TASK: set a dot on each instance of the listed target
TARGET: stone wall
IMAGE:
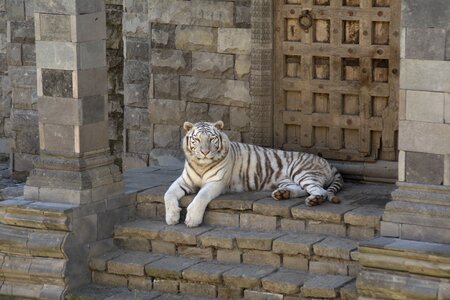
(425, 92)
(184, 60)
(18, 95)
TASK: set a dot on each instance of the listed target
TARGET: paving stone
(98, 263)
(208, 272)
(195, 252)
(335, 247)
(169, 267)
(327, 212)
(296, 243)
(180, 234)
(258, 222)
(218, 238)
(198, 289)
(236, 201)
(141, 228)
(272, 207)
(259, 295)
(246, 276)
(131, 263)
(366, 216)
(324, 286)
(256, 240)
(257, 257)
(284, 281)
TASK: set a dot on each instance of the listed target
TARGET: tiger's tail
(335, 186)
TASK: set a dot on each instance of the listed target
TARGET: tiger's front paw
(281, 194)
(193, 217)
(172, 215)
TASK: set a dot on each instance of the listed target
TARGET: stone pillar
(74, 164)
(421, 206)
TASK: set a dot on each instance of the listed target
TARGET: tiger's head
(205, 142)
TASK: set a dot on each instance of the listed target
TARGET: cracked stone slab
(169, 267)
(246, 276)
(324, 286)
(294, 244)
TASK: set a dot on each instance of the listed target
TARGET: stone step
(357, 217)
(193, 276)
(26, 290)
(305, 251)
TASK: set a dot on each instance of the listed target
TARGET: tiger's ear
(188, 126)
(219, 125)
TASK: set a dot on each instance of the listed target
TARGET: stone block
(360, 233)
(229, 256)
(140, 283)
(390, 229)
(243, 276)
(425, 233)
(166, 286)
(433, 14)
(169, 268)
(139, 141)
(242, 66)
(131, 263)
(366, 216)
(198, 289)
(51, 27)
(136, 49)
(169, 61)
(146, 229)
(181, 234)
(57, 83)
(90, 82)
(425, 43)
(133, 244)
(107, 279)
(220, 112)
(256, 240)
(258, 222)
(28, 55)
(229, 293)
(327, 212)
(166, 86)
(21, 31)
(234, 40)
(136, 95)
(57, 138)
(207, 272)
(14, 54)
(425, 75)
(425, 106)
(335, 247)
(269, 206)
(163, 35)
(330, 267)
(15, 9)
(196, 38)
(98, 263)
(218, 238)
(424, 137)
(293, 244)
(88, 27)
(167, 136)
(265, 258)
(133, 161)
(135, 118)
(293, 225)
(212, 65)
(324, 286)
(135, 25)
(22, 76)
(259, 295)
(326, 228)
(196, 112)
(284, 281)
(215, 91)
(68, 7)
(195, 252)
(202, 13)
(88, 141)
(163, 247)
(221, 219)
(424, 168)
(447, 107)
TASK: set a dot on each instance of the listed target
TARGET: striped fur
(214, 166)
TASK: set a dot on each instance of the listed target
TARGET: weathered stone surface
(246, 276)
(327, 212)
(324, 286)
(433, 14)
(107, 279)
(424, 168)
(221, 219)
(270, 206)
(163, 35)
(293, 244)
(169, 268)
(229, 293)
(164, 111)
(146, 229)
(360, 233)
(424, 137)
(215, 91)
(181, 234)
(264, 258)
(297, 262)
(236, 201)
(349, 292)
(209, 272)
(57, 83)
(218, 238)
(195, 252)
(167, 136)
(293, 225)
(54, 27)
(68, 7)
(328, 266)
(335, 247)
(234, 40)
(198, 289)
(425, 106)
(196, 38)
(256, 240)
(366, 216)
(169, 60)
(229, 256)
(284, 281)
(166, 86)
(93, 292)
(21, 31)
(135, 72)
(135, 25)
(202, 13)
(163, 247)
(258, 222)
(425, 43)
(425, 75)
(258, 295)
(136, 48)
(212, 65)
(131, 263)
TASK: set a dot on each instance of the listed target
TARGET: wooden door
(336, 77)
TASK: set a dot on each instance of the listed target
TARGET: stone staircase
(249, 247)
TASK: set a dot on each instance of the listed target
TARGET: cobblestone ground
(9, 188)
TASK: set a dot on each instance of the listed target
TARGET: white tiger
(214, 166)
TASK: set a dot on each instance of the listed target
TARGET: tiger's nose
(205, 151)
